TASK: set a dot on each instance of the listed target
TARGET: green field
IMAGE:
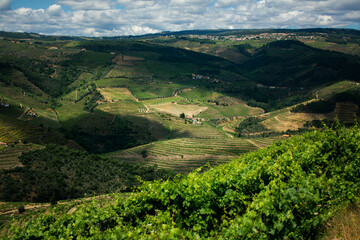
(92, 59)
(115, 82)
(69, 110)
(162, 100)
(154, 90)
(198, 94)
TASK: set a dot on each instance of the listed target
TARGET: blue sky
(35, 4)
(133, 17)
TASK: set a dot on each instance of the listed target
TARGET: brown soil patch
(291, 121)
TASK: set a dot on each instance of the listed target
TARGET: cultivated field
(186, 154)
(177, 109)
(123, 107)
(115, 82)
(116, 94)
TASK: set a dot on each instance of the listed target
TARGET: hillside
(125, 98)
(287, 190)
(276, 65)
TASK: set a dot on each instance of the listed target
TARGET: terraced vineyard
(13, 130)
(9, 155)
(179, 129)
(345, 112)
(186, 154)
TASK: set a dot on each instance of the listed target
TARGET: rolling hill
(172, 101)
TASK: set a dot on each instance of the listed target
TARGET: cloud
(88, 4)
(5, 4)
(191, 2)
(55, 10)
(228, 3)
(324, 20)
(131, 4)
(101, 18)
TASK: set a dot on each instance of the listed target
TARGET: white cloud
(229, 3)
(191, 2)
(5, 4)
(137, 3)
(88, 4)
(99, 17)
(324, 20)
(55, 10)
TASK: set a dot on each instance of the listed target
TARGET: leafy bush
(283, 192)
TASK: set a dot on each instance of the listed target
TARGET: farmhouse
(3, 144)
(195, 121)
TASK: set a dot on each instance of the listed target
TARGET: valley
(84, 117)
(129, 97)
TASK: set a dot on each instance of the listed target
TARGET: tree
(182, 115)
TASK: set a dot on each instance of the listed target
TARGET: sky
(136, 17)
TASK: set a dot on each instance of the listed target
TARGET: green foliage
(283, 192)
(57, 173)
(93, 102)
(21, 209)
(320, 124)
(250, 125)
